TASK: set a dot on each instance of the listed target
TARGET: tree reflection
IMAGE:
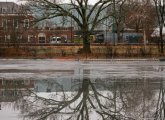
(138, 98)
(160, 108)
(102, 99)
(88, 99)
(80, 105)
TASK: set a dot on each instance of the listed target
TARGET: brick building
(16, 26)
(14, 23)
(44, 35)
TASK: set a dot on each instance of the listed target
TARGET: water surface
(81, 90)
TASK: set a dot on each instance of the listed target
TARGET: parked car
(55, 40)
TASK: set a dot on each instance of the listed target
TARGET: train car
(99, 38)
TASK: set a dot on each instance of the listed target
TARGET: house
(156, 32)
(16, 26)
(45, 34)
(15, 23)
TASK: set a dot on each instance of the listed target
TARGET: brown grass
(71, 52)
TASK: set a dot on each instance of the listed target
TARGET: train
(107, 37)
(104, 37)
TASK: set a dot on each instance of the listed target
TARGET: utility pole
(71, 30)
(113, 25)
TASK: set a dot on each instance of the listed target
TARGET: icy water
(82, 90)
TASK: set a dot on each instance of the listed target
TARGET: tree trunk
(86, 46)
(118, 36)
(86, 42)
(161, 41)
(145, 38)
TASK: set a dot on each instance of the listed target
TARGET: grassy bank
(98, 51)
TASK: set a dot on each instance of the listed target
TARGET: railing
(39, 44)
(73, 44)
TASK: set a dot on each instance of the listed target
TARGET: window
(41, 39)
(4, 23)
(15, 23)
(4, 10)
(26, 23)
(8, 37)
(8, 10)
(2, 81)
(3, 93)
(19, 36)
(26, 82)
(0, 10)
(1, 39)
(30, 38)
(1, 23)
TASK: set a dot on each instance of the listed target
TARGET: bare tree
(160, 10)
(141, 18)
(86, 16)
(118, 11)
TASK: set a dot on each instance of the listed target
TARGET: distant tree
(141, 17)
(160, 10)
(86, 16)
(118, 11)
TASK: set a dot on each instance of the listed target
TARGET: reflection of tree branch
(160, 109)
(87, 112)
(95, 94)
(102, 107)
(43, 113)
(62, 105)
(86, 99)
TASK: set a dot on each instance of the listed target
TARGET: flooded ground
(82, 90)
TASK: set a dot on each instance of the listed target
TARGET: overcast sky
(9, 1)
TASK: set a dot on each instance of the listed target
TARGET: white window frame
(29, 38)
(8, 37)
(2, 81)
(4, 10)
(1, 24)
(4, 21)
(15, 23)
(26, 23)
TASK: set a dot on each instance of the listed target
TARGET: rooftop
(8, 7)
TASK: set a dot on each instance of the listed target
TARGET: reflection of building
(54, 85)
(69, 80)
(11, 90)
